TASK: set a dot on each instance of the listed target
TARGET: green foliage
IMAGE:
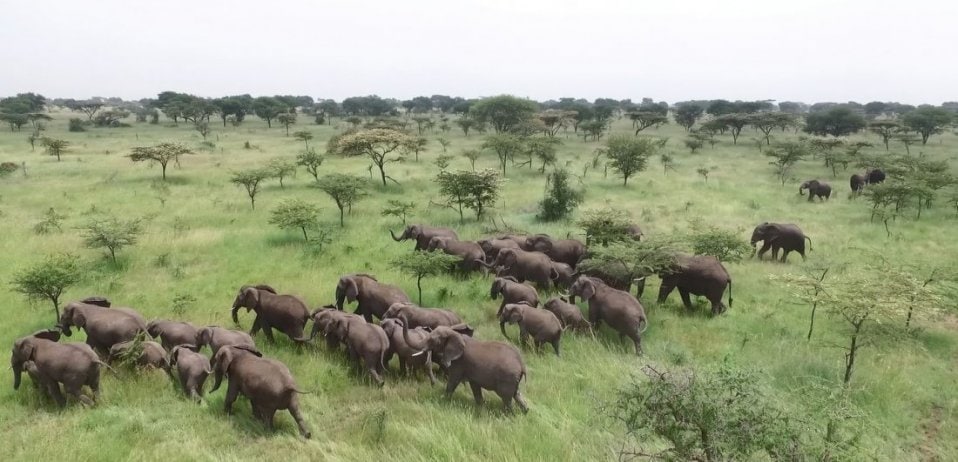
(724, 244)
(592, 129)
(465, 124)
(444, 143)
(705, 172)
(473, 155)
(250, 181)
(161, 154)
(111, 118)
(112, 234)
(693, 144)
(286, 120)
(377, 144)
(268, 108)
(311, 161)
(543, 149)
(733, 123)
(344, 189)
(687, 114)
(398, 209)
(629, 156)
(503, 112)
(886, 129)
(765, 122)
(56, 147)
(561, 198)
(77, 125)
(51, 221)
(295, 214)
(704, 414)
(645, 119)
(604, 226)
(423, 264)
(303, 136)
(784, 157)
(442, 161)
(280, 168)
(7, 168)
(48, 279)
(505, 145)
(838, 121)
(202, 127)
(469, 189)
(927, 121)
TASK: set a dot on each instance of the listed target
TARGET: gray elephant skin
(787, 237)
(267, 383)
(815, 189)
(422, 317)
(323, 319)
(512, 291)
(470, 253)
(569, 315)
(617, 308)
(526, 266)
(404, 352)
(151, 355)
(422, 234)
(568, 251)
(285, 313)
(541, 325)
(373, 297)
(191, 369)
(218, 337)
(172, 333)
(50, 364)
(366, 341)
(701, 275)
(104, 327)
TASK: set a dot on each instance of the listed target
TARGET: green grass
(206, 242)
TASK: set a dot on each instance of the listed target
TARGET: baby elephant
(151, 354)
(815, 188)
(266, 382)
(398, 346)
(217, 337)
(569, 315)
(192, 369)
(365, 341)
(542, 325)
(172, 333)
(513, 291)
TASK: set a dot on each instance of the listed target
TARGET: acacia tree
(784, 156)
(311, 161)
(473, 156)
(505, 146)
(268, 108)
(734, 123)
(503, 112)
(295, 214)
(112, 234)
(687, 114)
(465, 124)
(287, 119)
(423, 264)
(398, 209)
(886, 129)
(377, 144)
(56, 147)
(303, 136)
(345, 190)
(556, 119)
(837, 121)
(48, 279)
(88, 107)
(161, 154)
(926, 121)
(250, 181)
(628, 156)
(543, 149)
(281, 168)
(469, 189)
(765, 122)
(645, 119)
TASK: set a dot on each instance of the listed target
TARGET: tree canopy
(377, 144)
(838, 121)
(162, 154)
(503, 112)
(628, 155)
(926, 121)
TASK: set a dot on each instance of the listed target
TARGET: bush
(727, 246)
(49, 279)
(561, 198)
(112, 234)
(7, 168)
(605, 225)
(77, 125)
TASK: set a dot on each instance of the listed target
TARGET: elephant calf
(172, 333)
(218, 337)
(422, 317)
(775, 236)
(541, 325)
(512, 291)
(815, 189)
(267, 383)
(192, 369)
(366, 341)
(398, 346)
(569, 315)
(49, 364)
(151, 354)
(323, 319)
(623, 312)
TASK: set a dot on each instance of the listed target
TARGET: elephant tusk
(419, 353)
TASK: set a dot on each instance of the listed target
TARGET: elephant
(857, 182)
(365, 341)
(97, 300)
(422, 234)
(192, 369)
(565, 275)
(542, 325)
(785, 236)
(397, 346)
(520, 239)
(286, 313)
(104, 327)
(570, 316)
(323, 318)
(512, 291)
(634, 232)
(815, 188)
(526, 266)
(492, 246)
(50, 363)
(374, 297)
(151, 354)
(470, 252)
(874, 176)
(623, 312)
(267, 383)
(702, 275)
(172, 333)
(616, 275)
(217, 337)
(422, 317)
(568, 251)
(495, 366)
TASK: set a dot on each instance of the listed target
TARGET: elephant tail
(643, 325)
(302, 392)
(809, 243)
(729, 292)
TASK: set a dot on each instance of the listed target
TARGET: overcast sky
(804, 50)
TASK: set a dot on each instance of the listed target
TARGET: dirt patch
(929, 430)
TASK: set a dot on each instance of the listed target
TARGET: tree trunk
(852, 351)
(418, 286)
(305, 237)
(113, 255)
(341, 212)
(163, 167)
(811, 323)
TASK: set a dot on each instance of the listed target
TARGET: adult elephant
(397, 346)
(521, 240)
(701, 275)
(526, 266)
(785, 236)
(618, 308)
(267, 383)
(218, 338)
(104, 327)
(172, 333)
(495, 366)
(492, 246)
(150, 354)
(49, 363)
(815, 188)
(857, 182)
(422, 234)
(366, 342)
(568, 251)
(285, 313)
(874, 176)
(374, 297)
(418, 316)
(565, 275)
(470, 252)
(323, 320)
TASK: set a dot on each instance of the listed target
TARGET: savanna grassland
(203, 241)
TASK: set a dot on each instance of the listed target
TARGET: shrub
(7, 168)
(727, 246)
(51, 221)
(561, 198)
(296, 214)
(77, 125)
(112, 234)
(48, 279)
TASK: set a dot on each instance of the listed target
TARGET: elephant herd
(857, 183)
(418, 337)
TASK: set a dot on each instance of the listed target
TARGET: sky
(791, 50)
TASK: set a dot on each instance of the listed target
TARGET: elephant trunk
(233, 314)
(801, 190)
(217, 379)
(315, 330)
(487, 265)
(502, 328)
(421, 346)
(397, 239)
(17, 372)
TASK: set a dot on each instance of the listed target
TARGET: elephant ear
(453, 349)
(79, 319)
(415, 231)
(251, 293)
(204, 336)
(464, 329)
(48, 334)
(352, 290)
(222, 360)
(26, 349)
(588, 290)
(249, 349)
(510, 278)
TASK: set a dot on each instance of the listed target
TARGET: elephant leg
(454, 378)
(501, 307)
(785, 252)
(294, 411)
(372, 365)
(765, 246)
(686, 299)
(667, 286)
(555, 346)
(402, 366)
(94, 383)
(521, 402)
(639, 288)
(232, 392)
(257, 325)
(476, 392)
(717, 306)
(268, 416)
(268, 332)
(76, 390)
(54, 389)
